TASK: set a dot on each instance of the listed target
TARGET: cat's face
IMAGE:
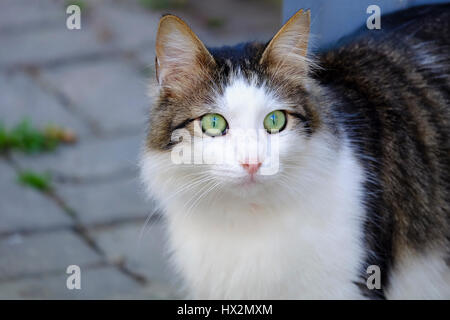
(239, 122)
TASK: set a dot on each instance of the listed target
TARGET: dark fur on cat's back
(393, 88)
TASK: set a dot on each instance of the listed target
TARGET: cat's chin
(249, 186)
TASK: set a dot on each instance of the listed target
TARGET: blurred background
(73, 110)
(331, 19)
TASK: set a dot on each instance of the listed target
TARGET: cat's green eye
(275, 121)
(214, 124)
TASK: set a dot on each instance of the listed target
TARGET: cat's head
(235, 124)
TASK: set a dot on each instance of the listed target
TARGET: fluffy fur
(362, 174)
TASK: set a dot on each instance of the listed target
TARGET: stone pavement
(93, 81)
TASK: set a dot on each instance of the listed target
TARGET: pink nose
(251, 168)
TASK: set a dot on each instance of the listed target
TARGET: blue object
(334, 19)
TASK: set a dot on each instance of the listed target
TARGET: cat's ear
(181, 58)
(286, 52)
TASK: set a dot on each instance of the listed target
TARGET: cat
(360, 176)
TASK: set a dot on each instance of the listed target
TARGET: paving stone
(106, 202)
(142, 250)
(158, 291)
(43, 252)
(105, 28)
(25, 209)
(17, 15)
(32, 47)
(89, 159)
(21, 98)
(125, 19)
(96, 283)
(112, 93)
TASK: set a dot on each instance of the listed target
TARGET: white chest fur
(309, 249)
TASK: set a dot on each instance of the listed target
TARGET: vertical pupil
(214, 121)
(273, 118)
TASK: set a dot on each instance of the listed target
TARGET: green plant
(26, 138)
(38, 181)
(162, 4)
(215, 22)
(82, 4)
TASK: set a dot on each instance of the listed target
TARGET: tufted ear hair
(181, 58)
(286, 52)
